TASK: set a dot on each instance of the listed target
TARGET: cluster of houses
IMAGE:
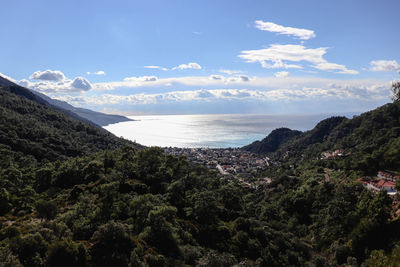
(260, 183)
(333, 154)
(384, 180)
(229, 161)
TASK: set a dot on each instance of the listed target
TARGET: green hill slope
(273, 141)
(31, 129)
(371, 140)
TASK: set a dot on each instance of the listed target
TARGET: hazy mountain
(99, 118)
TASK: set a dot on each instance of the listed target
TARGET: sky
(199, 57)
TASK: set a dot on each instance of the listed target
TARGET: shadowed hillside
(31, 129)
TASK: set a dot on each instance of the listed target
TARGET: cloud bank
(346, 90)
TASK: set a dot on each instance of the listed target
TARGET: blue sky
(186, 57)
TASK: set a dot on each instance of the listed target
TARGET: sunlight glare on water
(227, 130)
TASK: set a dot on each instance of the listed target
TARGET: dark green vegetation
(32, 132)
(273, 141)
(371, 142)
(74, 195)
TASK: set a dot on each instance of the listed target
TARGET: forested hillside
(370, 141)
(273, 141)
(31, 131)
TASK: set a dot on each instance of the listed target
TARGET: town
(229, 161)
(232, 163)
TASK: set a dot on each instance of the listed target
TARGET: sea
(209, 130)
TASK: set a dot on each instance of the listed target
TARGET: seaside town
(232, 163)
(229, 161)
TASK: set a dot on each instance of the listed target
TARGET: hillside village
(384, 180)
(230, 161)
(338, 153)
(241, 165)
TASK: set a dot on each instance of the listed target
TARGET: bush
(66, 253)
(112, 245)
(46, 209)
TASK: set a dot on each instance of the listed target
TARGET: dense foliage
(144, 208)
(73, 195)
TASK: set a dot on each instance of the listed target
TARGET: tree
(396, 91)
(378, 258)
(66, 253)
(8, 259)
(112, 245)
(46, 209)
(4, 201)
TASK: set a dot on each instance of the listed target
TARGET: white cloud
(302, 34)
(276, 56)
(153, 81)
(25, 83)
(81, 84)
(48, 75)
(335, 67)
(217, 77)
(281, 74)
(156, 67)
(191, 65)
(141, 79)
(277, 53)
(100, 72)
(239, 78)
(244, 78)
(230, 72)
(384, 65)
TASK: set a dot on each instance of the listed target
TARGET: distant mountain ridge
(273, 141)
(82, 114)
(99, 118)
